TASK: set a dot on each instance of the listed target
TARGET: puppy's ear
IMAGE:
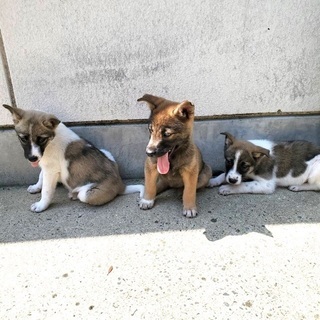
(184, 110)
(17, 113)
(259, 152)
(229, 139)
(153, 101)
(51, 122)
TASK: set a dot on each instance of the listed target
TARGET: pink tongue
(34, 164)
(163, 164)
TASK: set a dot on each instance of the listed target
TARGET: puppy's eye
(24, 139)
(167, 134)
(245, 165)
(42, 140)
(229, 162)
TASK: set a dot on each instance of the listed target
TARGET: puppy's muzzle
(155, 152)
(233, 180)
(33, 158)
(152, 152)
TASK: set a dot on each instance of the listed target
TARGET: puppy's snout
(33, 158)
(233, 180)
(151, 151)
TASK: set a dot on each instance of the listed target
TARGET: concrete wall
(127, 142)
(91, 60)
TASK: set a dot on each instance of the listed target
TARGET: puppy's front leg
(189, 193)
(49, 185)
(35, 188)
(263, 187)
(150, 191)
(217, 181)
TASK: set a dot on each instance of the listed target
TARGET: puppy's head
(35, 130)
(170, 127)
(242, 158)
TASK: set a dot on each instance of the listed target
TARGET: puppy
(173, 160)
(90, 174)
(293, 164)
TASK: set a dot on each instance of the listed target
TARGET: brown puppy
(173, 160)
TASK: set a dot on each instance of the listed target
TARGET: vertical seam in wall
(7, 72)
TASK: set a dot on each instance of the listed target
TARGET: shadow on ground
(219, 216)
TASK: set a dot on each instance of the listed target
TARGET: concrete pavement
(243, 257)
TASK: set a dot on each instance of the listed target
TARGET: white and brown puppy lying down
(90, 174)
(293, 164)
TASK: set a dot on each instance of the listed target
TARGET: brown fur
(187, 168)
(88, 164)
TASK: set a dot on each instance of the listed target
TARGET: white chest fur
(53, 159)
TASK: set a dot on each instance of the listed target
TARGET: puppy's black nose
(33, 158)
(151, 153)
(233, 180)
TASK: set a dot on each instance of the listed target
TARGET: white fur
(233, 174)
(82, 191)
(108, 154)
(217, 181)
(309, 180)
(35, 188)
(146, 204)
(54, 167)
(134, 188)
(262, 186)
(35, 150)
(190, 213)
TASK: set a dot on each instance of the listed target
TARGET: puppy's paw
(146, 204)
(216, 181)
(294, 188)
(39, 206)
(34, 188)
(225, 190)
(190, 213)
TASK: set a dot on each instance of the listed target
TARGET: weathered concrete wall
(128, 142)
(91, 60)
(5, 116)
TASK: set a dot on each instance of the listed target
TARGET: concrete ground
(243, 257)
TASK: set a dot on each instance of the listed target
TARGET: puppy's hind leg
(313, 182)
(97, 194)
(305, 187)
(204, 176)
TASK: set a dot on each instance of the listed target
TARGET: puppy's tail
(133, 188)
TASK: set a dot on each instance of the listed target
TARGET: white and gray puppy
(259, 166)
(90, 174)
